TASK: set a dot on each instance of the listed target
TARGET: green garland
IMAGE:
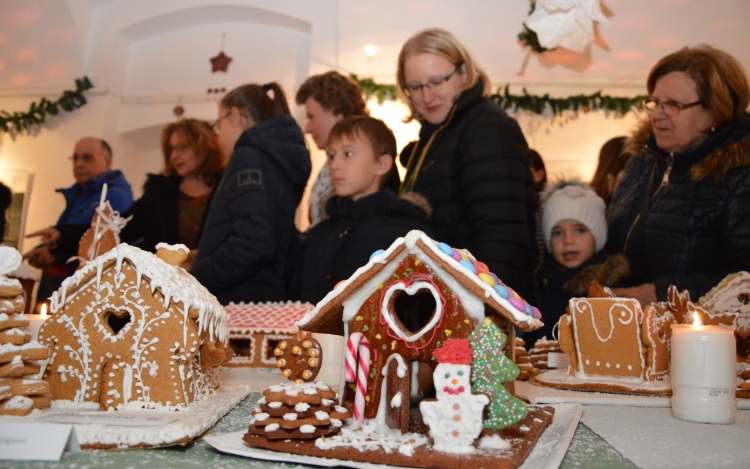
(581, 102)
(37, 113)
(525, 101)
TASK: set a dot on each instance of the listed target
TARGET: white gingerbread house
(130, 330)
(405, 302)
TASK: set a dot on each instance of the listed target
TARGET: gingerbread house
(401, 306)
(614, 345)
(254, 330)
(131, 329)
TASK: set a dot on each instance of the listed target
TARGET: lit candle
(36, 321)
(704, 373)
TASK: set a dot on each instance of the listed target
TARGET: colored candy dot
(528, 309)
(502, 291)
(486, 278)
(463, 256)
(376, 253)
(495, 278)
(518, 303)
(468, 265)
(445, 248)
(457, 255)
(455, 433)
(456, 418)
(482, 267)
(536, 313)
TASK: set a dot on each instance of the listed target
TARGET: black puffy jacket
(476, 175)
(249, 229)
(696, 228)
(342, 243)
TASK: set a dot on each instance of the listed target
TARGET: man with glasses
(92, 161)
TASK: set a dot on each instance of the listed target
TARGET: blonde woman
(471, 161)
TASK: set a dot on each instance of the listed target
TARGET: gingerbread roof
(174, 283)
(468, 278)
(271, 317)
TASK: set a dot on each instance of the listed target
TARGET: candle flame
(43, 310)
(696, 319)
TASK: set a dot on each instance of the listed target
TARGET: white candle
(332, 366)
(35, 323)
(704, 373)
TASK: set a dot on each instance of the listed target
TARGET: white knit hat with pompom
(573, 200)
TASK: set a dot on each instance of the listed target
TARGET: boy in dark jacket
(365, 215)
(575, 231)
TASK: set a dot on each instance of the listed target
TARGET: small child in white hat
(574, 227)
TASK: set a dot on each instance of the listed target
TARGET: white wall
(146, 57)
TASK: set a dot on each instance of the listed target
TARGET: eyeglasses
(433, 85)
(670, 108)
(86, 158)
(215, 125)
(179, 149)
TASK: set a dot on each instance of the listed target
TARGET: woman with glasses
(174, 203)
(250, 234)
(681, 214)
(471, 161)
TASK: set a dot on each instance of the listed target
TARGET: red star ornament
(220, 63)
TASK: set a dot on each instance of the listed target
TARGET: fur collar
(608, 273)
(729, 154)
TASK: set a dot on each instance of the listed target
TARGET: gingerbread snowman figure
(456, 417)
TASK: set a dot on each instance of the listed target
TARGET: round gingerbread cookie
(300, 359)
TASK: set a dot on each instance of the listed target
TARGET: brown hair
(719, 78)
(612, 160)
(203, 141)
(335, 93)
(253, 100)
(442, 43)
(381, 139)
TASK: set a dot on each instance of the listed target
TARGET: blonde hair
(441, 43)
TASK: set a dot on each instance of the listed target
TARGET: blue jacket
(249, 229)
(81, 203)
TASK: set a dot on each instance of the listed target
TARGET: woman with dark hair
(471, 161)
(249, 232)
(174, 203)
(327, 98)
(681, 214)
(610, 168)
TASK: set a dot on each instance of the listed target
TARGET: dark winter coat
(476, 175)
(80, 205)
(156, 214)
(556, 285)
(250, 228)
(338, 246)
(696, 228)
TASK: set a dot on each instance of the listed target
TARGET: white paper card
(107, 418)
(36, 441)
(558, 360)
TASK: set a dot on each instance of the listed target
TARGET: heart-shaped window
(411, 310)
(117, 320)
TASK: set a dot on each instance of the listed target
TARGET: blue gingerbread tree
(490, 368)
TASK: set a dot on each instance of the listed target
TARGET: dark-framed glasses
(215, 125)
(670, 108)
(85, 158)
(434, 85)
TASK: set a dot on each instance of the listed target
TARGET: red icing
(454, 351)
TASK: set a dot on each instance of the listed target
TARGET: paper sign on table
(37, 441)
(107, 418)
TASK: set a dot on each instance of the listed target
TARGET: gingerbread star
(220, 63)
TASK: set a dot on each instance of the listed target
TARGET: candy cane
(357, 346)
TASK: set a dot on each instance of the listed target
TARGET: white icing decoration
(494, 441)
(272, 427)
(454, 431)
(307, 428)
(261, 417)
(410, 290)
(396, 401)
(320, 415)
(290, 416)
(275, 405)
(10, 259)
(301, 406)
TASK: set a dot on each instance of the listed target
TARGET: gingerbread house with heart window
(400, 307)
(131, 329)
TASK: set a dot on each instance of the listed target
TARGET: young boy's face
(355, 170)
(572, 243)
